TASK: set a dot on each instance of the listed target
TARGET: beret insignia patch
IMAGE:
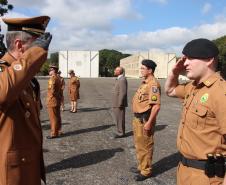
(154, 98)
(204, 98)
(154, 89)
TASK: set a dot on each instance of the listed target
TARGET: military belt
(193, 163)
(198, 164)
(144, 116)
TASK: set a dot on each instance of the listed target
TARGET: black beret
(149, 64)
(200, 49)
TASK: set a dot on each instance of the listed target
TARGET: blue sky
(127, 25)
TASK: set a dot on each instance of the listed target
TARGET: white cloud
(93, 14)
(169, 40)
(206, 8)
(87, 25)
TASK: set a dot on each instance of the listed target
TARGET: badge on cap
(154, 98)
(204, 98)
(154, 89)
(17, 67)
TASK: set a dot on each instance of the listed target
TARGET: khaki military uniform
(145, 97)
(21, 156)
(53, 104)
(202, 126)
(73, 88)
(62, 84)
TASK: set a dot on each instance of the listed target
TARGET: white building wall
(84, 63)
(164, 62)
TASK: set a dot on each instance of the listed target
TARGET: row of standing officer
(55, 98)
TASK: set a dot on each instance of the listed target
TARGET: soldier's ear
(18, 45)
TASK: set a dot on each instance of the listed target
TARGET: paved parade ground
(88, 155)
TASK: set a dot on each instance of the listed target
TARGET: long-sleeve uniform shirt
(21, 158)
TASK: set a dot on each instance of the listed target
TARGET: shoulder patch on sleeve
(154, 89)
(154, 98)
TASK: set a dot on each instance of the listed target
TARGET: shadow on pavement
(83, 160)
(75, 132)
(166, 164)
(47, 127)
(92, 109)
(160, 127)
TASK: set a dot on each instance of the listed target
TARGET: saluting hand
(43, 41)
(179, 66)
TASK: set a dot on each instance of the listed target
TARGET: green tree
(109, 60)
(52, 60)
(5, 7)
(221, 44)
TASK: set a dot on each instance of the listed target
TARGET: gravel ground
(87, 155)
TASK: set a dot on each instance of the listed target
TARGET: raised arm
(172, 80)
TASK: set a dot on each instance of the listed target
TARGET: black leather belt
(143, 115)
(198, 164)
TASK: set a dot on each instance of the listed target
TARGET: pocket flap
(200, 111)
(15, 158)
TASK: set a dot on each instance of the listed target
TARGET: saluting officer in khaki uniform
(202, 132)
(53, 102)
(146, 105)
(62, 90)
(73, 89)
(21, 155)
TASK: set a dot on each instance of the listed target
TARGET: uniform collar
(209, 81)
(119, 76)
(8, 58)
(150, 78)
(212, 79)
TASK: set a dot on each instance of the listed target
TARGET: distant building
(164, 62)
(84, 63)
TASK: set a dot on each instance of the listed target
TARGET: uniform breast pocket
(198, 117)
(143, 97)
(18, 167)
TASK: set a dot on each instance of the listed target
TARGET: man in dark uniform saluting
(21, 156)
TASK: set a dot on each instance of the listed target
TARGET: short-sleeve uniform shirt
(203, 121)
(147, 95)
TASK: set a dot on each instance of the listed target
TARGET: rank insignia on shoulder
(154, 98)
(204, 98)
(154, 89)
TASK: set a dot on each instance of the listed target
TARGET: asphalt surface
(88, 155)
